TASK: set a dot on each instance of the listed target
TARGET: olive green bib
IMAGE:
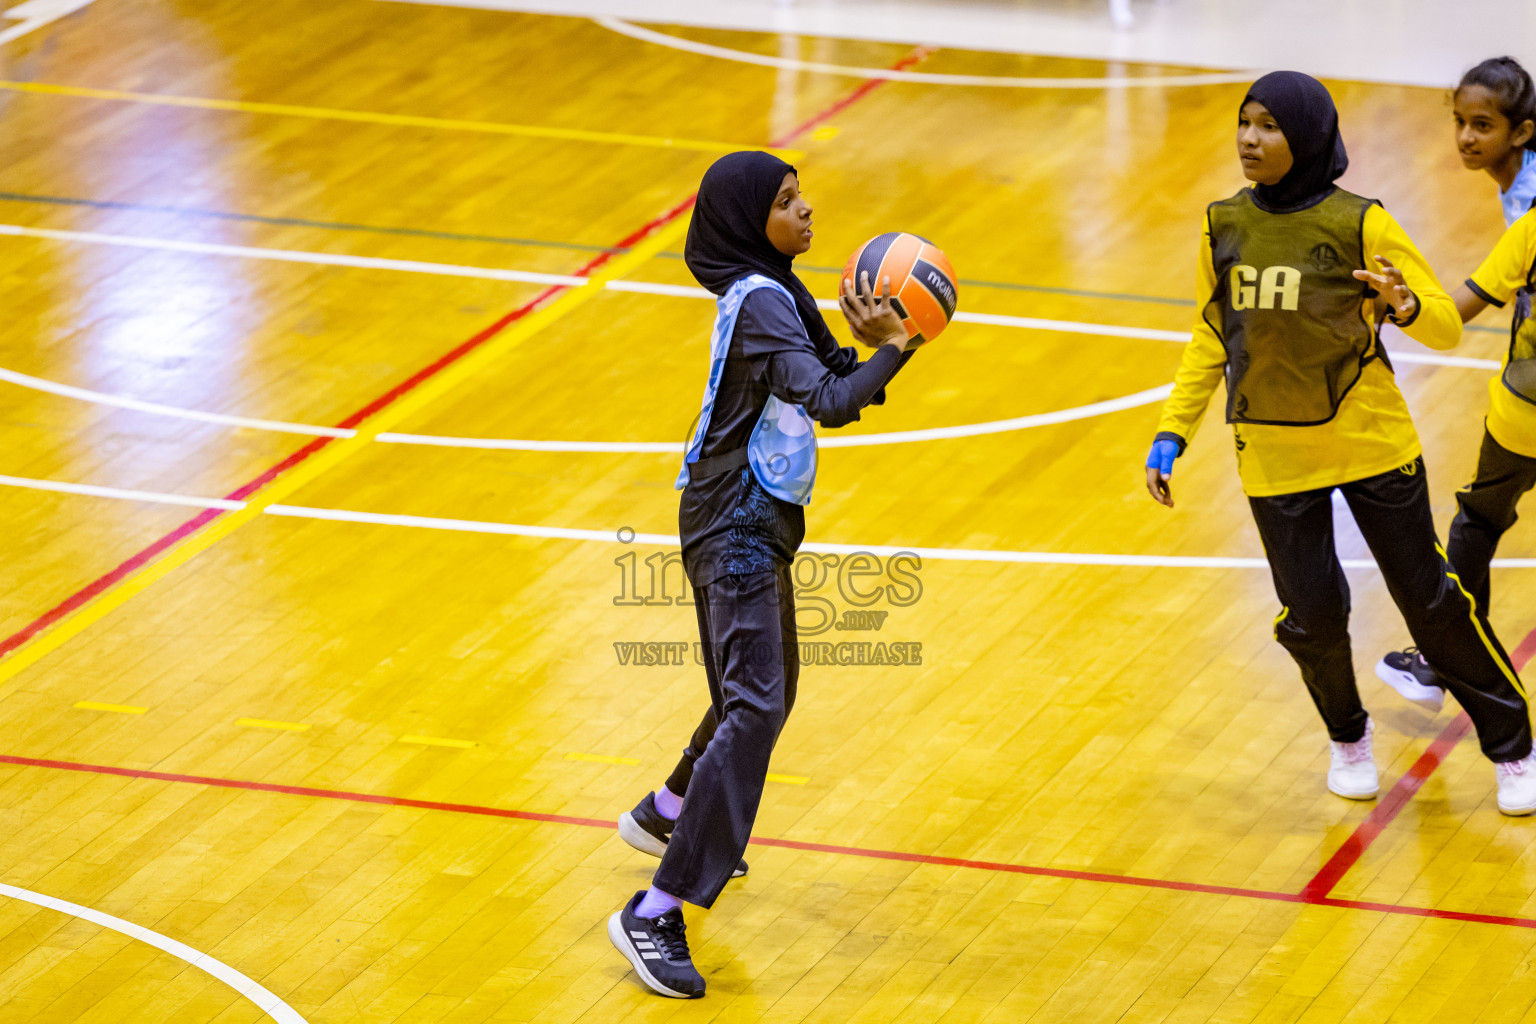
(1288, 308)
(1520, 367)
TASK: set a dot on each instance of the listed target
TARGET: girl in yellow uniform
(1495, 108)
(1290, 319)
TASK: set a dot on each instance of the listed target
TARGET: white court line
(671, 541)
(677, 291)
(1425, 43)
(296, 256)
(882, 550)
(157, 497)
(518, 445)
(626, 447)
(636, 287)
(1436, 359)
(925, 77)
(1039, 419)
(1030, 323)
(269, 1004)
(34, 14)
(157, 409)
(337, 515)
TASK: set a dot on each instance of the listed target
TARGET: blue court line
(455, 236)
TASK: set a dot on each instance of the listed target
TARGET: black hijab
(1306, 114)
(728, 235)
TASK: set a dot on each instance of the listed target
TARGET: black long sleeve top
(729, 524)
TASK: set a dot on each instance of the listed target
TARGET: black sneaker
(647, 830)
(1409, 674)
(657, 948)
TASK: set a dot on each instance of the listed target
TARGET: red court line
(1348, 855)
(1522, 654)
(141, 558)
(1382, 814)
(1314, 893)
(917, 56)
(325, 794)
(787, 844)
(136, 561)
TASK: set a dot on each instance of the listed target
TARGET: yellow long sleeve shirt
(1511, 419)
(1371, 433)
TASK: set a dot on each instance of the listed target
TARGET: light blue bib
(1521, 191)
(782, 451)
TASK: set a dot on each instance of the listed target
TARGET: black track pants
(1449, 627)
(1486, 510)
(751, 659)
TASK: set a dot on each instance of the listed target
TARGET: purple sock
(655, 903)
(668, 803)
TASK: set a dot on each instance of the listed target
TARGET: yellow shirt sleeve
(1204, 362)
(1437, 324)
(1504, 271)
(1511, 419)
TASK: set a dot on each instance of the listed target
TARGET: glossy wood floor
(1106, 783)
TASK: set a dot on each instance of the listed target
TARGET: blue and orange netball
(923, 289)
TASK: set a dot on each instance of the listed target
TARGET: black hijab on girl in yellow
(1305, 112)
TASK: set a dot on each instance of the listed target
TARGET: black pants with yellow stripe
(1485, 511)
(1450, 628)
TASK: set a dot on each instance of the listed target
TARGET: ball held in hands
(923, 292)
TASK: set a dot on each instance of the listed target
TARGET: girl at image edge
(1495, 110)
(1290, 318)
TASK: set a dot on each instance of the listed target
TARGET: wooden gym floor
(344, 740)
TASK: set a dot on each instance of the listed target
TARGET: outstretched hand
(871, 317)
(1160, 471)
(1394, 290)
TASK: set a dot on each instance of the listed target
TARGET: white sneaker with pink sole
(1352, 768)
(1517, 785)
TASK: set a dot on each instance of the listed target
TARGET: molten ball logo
(940, 284)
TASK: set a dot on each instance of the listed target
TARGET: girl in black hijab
(1305, 113)
(1291, 310)
(748, 472)
(727, 237)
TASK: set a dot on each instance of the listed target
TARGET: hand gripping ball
(923, 290)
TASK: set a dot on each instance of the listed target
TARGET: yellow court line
(373, 117)
(601, 758)
(340, 450)
(122, 709)
(267, 723)
(793, 780)
(438, 741)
